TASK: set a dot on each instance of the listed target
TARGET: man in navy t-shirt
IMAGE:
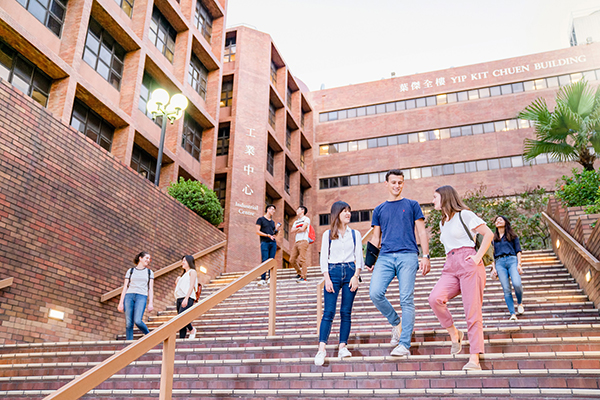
(394, 224)
(265, 228)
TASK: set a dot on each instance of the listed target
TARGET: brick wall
(72, 218)
(579, 225)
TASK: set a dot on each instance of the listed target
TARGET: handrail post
(167, 368)
(272, 299)
(320, 287)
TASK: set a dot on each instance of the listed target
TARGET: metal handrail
(166, 334)
(583, 252)
(321, 284)
(6, 282)
(115, 292)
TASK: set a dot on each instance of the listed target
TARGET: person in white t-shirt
(185, 292)
(298, 256)
(463, 273)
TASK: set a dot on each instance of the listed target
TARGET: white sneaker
(320, 358)
(513, 318)
(400, 351)
(520, 309)
(344, 352)
(396, 331)
(262, 282)
(192, 334)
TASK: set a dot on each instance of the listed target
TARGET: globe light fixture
(169, 108)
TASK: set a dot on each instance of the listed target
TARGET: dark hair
(191, 262)
(269, 206)
(336, 209)
(143, 254)
(509, 233)
(397, 172)
(451, 202)
(304, 209)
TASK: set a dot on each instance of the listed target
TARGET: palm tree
(567, 133)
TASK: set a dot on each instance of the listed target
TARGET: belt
(505, 255)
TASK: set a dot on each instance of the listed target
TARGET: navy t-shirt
(266, 226)
(397, 222)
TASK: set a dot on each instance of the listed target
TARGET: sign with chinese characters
(482, 75)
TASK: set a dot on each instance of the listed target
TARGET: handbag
(488, 257)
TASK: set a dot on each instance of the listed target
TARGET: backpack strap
(130, 275)
(148, 278)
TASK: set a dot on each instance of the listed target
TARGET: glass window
(471, 166)
(529, 85)
(511, 124)
(191, 139)
(426, 172)
(223, 140)
(51, 13)
(406, 173)
(343, 114)
(362, 144)
(477, 129)
(500, 126)
(494, 164)
(463, 96)
(482, 165)
(382, 176)
(431, 101)
(373, 178)
(322, 116)
(444, 133)
(392, 140)
(540, 84)
(227, 94)
(505, 162)
(541, 159)
(353, 180)
(564, 80)
(485, 92)
(380, 108)
(415, 173)
(459, 168)
(361, 111)
(203, 21)
(523, 123)
(343, 147)
(324, 184)
(434, 135)
(488, 127)
(410, 104)
(518, 87)
(506, 89)
(104, 54)
(390, 107)
(143, 163)
(473, 94)
(551, 82)
(230, 49)
(382, 142)
(333, 116)
(466, 130)
(455, 132)
(402, 139)
(441, 99)
(198, 76)
(423, 136)
(413, 137)
(148, 86)
(437, 170)
(352, 113)
(589, 76)
(448, 169)
(371, 110)
(400, 105)
(162, 34)
(352, 146)
(495, 91)
(92, 125)
(323, 219)
(363, 179)
(451, 97)
(421, 102)
(344, 181)
(372, 143)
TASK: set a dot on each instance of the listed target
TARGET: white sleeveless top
(183, 285)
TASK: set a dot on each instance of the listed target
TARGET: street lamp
(159, 105)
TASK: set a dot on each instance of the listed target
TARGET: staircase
(552, 352)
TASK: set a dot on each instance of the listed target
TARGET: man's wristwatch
(427, 256)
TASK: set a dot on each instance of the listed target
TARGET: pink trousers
(461, 276)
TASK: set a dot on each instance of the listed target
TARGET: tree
(199, 198)
(567, 133)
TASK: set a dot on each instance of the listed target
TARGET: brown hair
(336, 209)
(509, 233)
(451, 202)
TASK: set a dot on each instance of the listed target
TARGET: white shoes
(193, 334)
(344, 352)
(513, 318)
(396, 331)
(400, 351)
(320, 358)
(520, 309)
(262, 282)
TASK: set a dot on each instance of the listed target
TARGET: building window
(92, 125)
(289, 98)
(360, 216)
(230, 48)
(162, 34)
(126, 5)
(220, 189)
(198, 76)
(323, 219)
(227, 94)
(302, 164)
(273, 73)
(23, 75)
(143, 163)
(272, 115)
(302, 118)
(287, 181)
(148, 86)
(192, 137)
(104, 54)
(270, 159)
(286, 226)
(302, 193)
(223, 140)
(268, 200)
(203, 21)
(288, 138)
(51, 13)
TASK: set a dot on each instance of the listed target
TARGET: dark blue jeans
(267, 250)
(135, 305)
(340, 275)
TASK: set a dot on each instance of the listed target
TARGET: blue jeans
(403, 266)
(135, 305)
(340, 275)
(267, 250)
(506, 267)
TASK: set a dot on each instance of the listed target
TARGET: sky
(331, 43)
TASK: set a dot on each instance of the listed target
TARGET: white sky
(341, 42)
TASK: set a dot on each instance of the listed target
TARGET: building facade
(451, 127)
(94, 64)
(266, 142)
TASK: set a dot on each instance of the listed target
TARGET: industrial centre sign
(479, 76)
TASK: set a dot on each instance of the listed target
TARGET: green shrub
(198, 198)
(581, 189)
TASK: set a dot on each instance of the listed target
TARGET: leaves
(198, 198)
(581, 189)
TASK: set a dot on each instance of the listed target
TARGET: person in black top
(507, 264)
(265, 228)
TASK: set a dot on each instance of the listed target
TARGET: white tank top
(183, 285)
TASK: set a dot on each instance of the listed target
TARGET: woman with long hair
(341, 261)
(138, 289)
(507, 264)
(185, 292)
(463, 273)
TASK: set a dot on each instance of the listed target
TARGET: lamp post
(172, 110)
